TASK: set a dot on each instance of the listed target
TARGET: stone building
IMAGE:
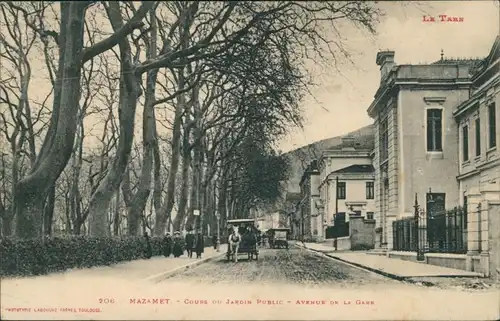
(306, 213)
(416, 136)
(346, 182)
(478, 122)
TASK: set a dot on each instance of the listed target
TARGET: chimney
(348, 143)
(385, 59)
(314, 164)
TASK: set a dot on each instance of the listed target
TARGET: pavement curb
(163, 275)
(386, 274)
(408, 279)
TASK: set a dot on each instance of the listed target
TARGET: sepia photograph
(250, 160)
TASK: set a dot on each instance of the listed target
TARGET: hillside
(300, 158)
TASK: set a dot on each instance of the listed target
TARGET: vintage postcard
(250, 160)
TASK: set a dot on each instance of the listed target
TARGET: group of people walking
(176, 245)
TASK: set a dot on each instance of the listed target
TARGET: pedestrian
(200, 245)
(215, 239)
(190, 243)
(149, 250)
(177, 248)
(167, 245)
(234, 243)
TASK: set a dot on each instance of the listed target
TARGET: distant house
(269, 220)
(346, 182)
(300, 158)
(307, 221)
(291, 200)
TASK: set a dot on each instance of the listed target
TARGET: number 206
(107, 300)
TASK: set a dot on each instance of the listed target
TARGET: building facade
(416, 136)
(307, 213)
(346, 183)
(479, 160)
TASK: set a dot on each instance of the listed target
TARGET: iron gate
(434, 230)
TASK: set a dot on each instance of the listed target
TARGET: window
(358, 213)
(370, 191)
(465, 143)
(369, 215)
(341, 191)
(384, 140)
(478, 136)
(434, 130)
(492, 125)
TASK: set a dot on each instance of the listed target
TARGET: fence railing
(338, 230)
(438, 232)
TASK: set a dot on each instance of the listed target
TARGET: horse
(249, 241)
(234, 241)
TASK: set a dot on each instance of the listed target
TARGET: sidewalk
(136, 269)
(395, 268)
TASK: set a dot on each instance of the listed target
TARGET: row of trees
(213, 86)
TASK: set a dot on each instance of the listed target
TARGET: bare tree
(139, 199)
(56, 150)
(219, 45)
(21, 121)
(129, 94)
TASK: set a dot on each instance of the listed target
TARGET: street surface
(282, 284)
(294, 266)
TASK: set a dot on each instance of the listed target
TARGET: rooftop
(458, 61)
(293, 196)
(362, 142)
(356, 169)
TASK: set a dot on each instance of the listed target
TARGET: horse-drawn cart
(248, 234)
(278, 237)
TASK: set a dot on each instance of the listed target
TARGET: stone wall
(361, 233)
(344, 243)
(494, 240)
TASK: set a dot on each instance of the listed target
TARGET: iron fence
(438, 232)
(338, 230)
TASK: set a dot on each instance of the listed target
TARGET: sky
(338, 104)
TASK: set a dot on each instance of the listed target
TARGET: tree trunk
(157, 180)
(222, 201)
(190, 219)
(129, 93)
(196, 194)
(74, 194)
(67, 210)
(166, 210)
(32, 191)
(116, 218)
(181, 212)
(141, 196)
(7, 225)
(77, 228)
(79, 216)
(48, 211)
(207, 206)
